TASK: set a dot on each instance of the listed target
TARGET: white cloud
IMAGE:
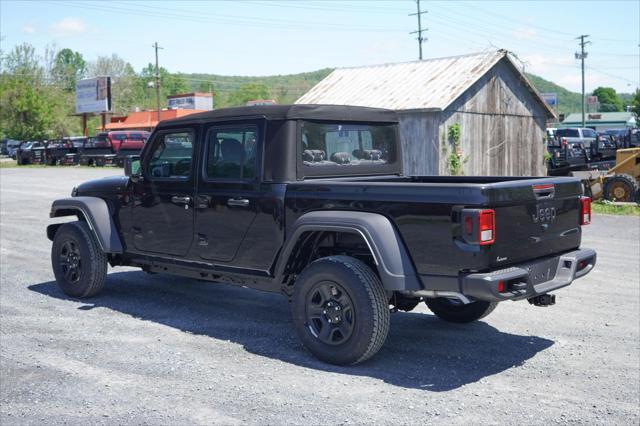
(28, 29)
(541, 64)
(68, 26)
(525, 33)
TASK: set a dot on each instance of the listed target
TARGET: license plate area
(543, 271)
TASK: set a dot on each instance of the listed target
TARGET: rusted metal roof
(431, 84)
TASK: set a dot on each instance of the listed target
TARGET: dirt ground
(156, 349)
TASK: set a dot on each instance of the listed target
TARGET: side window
(171, 156)
(231, 152)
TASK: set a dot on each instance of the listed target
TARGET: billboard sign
(592, 100)
(185, 102)
(93, 95)
(550, 99)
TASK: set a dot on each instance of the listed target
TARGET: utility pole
(156, 47)
(419, 31)
(582, 56)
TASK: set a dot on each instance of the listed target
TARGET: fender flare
(389, 252)
(96, 213)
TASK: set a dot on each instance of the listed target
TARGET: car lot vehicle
(310, 201)
(573, 136)
(620, 183)
(565, 158)
(31, 152)
(64, 150)
(110, 148)
(12, 147)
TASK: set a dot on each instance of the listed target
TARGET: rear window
(568, 133)
(347, 148)
(119, 136)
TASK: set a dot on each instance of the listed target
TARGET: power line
(229, 19)
(419, 31)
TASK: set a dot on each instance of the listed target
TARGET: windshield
(349, 146)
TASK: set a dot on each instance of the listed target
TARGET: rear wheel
(621, 187)
(79, 265)
(340, 310)
(455, 311)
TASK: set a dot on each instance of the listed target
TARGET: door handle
(237, 202)
(176, 199)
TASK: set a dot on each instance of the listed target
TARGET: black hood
(111, 184)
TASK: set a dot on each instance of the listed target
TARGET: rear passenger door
(226, 201)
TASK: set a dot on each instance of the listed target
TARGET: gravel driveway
(156, 349)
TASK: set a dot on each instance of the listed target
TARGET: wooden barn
(500, 116)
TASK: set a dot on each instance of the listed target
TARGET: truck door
(227, 196)
(163, 198)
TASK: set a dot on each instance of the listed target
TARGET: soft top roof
(290, 112)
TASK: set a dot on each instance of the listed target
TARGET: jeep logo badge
(544, 215)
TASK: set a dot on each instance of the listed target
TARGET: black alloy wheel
(70, 261)
(340, 310)
(79, 264)
(329, 313)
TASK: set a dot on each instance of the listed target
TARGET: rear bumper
(529, 279)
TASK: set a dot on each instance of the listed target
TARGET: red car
(121, 140)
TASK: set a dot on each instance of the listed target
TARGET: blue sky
(283, 37)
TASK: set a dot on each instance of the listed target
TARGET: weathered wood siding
(420, 142)
(502, 126)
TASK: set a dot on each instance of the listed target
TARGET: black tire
(455, 311)
(349, 292)
(79, 265)
(621, 187)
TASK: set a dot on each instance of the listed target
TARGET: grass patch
(606, 207)
(14, 165)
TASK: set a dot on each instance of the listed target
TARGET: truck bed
(422, 206)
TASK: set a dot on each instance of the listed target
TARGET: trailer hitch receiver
(543, 300)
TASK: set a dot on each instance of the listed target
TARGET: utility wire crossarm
(420, 30)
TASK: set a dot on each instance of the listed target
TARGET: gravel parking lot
(155, 349)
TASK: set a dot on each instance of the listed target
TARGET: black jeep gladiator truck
(310, 201)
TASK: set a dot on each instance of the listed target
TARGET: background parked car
(31, 152)
(110, 148)
(12, 147)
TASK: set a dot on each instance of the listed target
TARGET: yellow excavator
(619, 183)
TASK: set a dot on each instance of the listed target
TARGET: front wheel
(79, 265)
(455, 311)
(340, 310)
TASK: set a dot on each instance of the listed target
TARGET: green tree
(608, 98)
(25, 108)
(68, 67)
(248, 92)
(126, 93)
(205, 87)
(170, 84)
(635, 103)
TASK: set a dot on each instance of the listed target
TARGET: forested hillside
(37, 90)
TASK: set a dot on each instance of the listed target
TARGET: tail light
(563, 141)
(479, 226)
(585, 210)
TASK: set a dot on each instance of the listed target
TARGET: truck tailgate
(534, 220)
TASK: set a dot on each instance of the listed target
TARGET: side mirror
(132, 166)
